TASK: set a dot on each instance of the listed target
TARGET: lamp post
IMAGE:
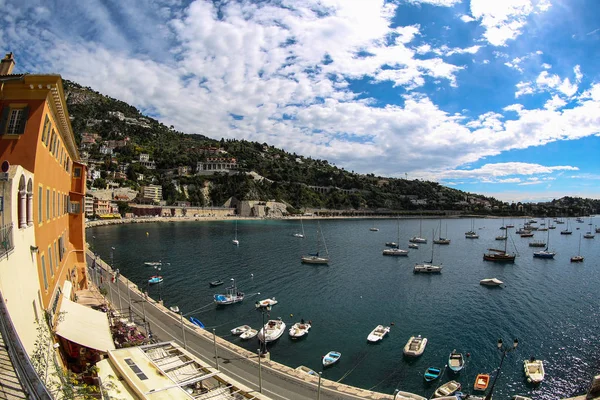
(264, 341)
(259, 371)
(504, 351)
(216, 354)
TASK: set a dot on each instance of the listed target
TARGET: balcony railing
(6, 239)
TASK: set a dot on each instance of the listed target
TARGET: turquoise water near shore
(551, 306)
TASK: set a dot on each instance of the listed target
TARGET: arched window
(29, 202)
(22, 204)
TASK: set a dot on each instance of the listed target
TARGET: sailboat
(500, 255)
(440, 239)
(232, 296)
(545, 253)
(297, 234)
(235, 241)
(418, 239)
(316, 258)
(566, 231)
(589, 234)
(578, 257)
(428, 267)
(472, 234)
(396, 250)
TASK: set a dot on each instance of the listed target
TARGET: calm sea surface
(551, 306)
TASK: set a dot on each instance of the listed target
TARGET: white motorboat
(395, 252)
(235, 241)
(153, 263)
(306, 370)
(299, 329)
(232, 296)
(415, 346)
(374, 229)
(491, 282)
(331, 358)
(266, 302)
(240, 329)
(272, 330)
(413, 246)
(249, 334)
(427, 269)
(534, 370)
(378, 333)
(447, 389)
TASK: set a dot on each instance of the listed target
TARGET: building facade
(44, 191)
(152, 192)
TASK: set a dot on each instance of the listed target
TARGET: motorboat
(306, 370)
(240, 329)
(248, 334)
(417, 239)
(447, 389)
(155, 279)
(481, 382)
(413, 246)
(491, 282)
(391, 244)
(432, 374)
(197, 322)
(153, 263)
(415, 346)
(456, 361)
(235, 240)
(272, 330)
(232, 296)
(378, 333)
(427, 269)
(266, 303)
(218, 282)
(537, 243)
(299, 329)
(331, 358)
(374, 229)
(395, 252)
(534, 370)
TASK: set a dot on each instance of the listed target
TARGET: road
(237, 363)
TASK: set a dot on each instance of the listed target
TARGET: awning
(84, 326)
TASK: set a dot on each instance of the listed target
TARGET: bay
(551, 306)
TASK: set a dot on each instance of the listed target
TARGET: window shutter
(23, 120)
(4, 119)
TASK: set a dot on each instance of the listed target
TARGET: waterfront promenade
(273, 379)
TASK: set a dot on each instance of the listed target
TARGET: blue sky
(494, 97)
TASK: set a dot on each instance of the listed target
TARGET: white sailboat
(235, 241)
(428, 267)
(472, 234)
(418, 239)
(316, 258)
(396, 250)
(440, 239)
(297, 234)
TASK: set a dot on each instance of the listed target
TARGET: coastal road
(234, 361)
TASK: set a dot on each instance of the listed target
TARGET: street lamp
(504, 351)
(264, 341)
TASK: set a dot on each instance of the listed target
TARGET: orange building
(36, 136)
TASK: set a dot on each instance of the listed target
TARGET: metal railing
(6, 239)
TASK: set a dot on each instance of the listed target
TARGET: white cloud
(554, 103)
(578, 74)
(439, 3)
(467, 18)
(503, 20)
(546, 66)
(524, 88)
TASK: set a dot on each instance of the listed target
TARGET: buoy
(392, 324)
(291, 315)
(147, 234)
(252, 275)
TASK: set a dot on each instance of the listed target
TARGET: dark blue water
(551, 306)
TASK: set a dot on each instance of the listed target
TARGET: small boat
(235, 241)
(249, 334)
(196, 322)
(374, 229)
(331, 358)
(537, 243)
(491, 282)
(315, 258)
(447, 389)
(500, 237)
(299, 329)
(589, 235)
(432, 374)
(391, 244)
(216, 283)
(415, 346)
(545, 253)
(266, 302)
(272, 330)
(413, 246)
(420, 238)
(510, 225)
(232, 296)
(456, 361)
(440, 239)
(566, 232)
(481, 382)
(298, 234)
(395, 252)
(427, 269)
(378, 333)
(471, 235)
(155, 279)
(240, 329)
(534, 370)
(578, 257)
(306, 370)
(527, 234)
(153, 263)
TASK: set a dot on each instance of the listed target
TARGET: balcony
(6, 237)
